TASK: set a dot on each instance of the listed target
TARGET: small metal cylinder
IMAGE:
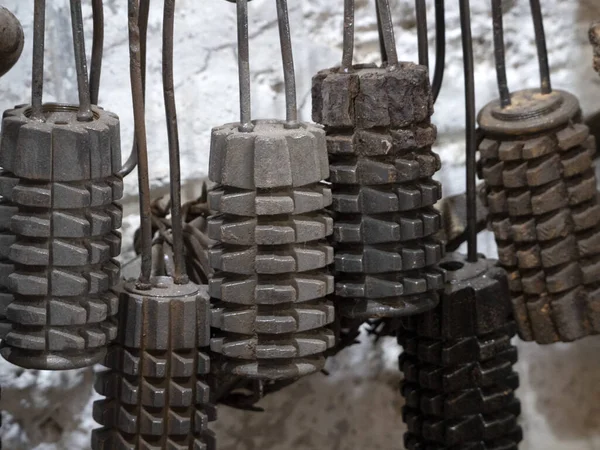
(536, 158)
(156, 393)
(379, 138)
(60, 178)
(459, 379)
(271, 278)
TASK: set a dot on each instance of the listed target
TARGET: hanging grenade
(379, 138)
(271, 280)
(537, 161)
(156, 393)
(60, 177)
(457, 360)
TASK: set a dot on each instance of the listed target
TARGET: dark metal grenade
(270, 312)
(156, 391)
(536, 158)
(459, 380)
(60, 183)
(379, 138)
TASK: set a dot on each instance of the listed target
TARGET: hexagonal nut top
(270, 156)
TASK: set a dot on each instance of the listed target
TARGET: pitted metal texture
(60, 192)
(595, 41)
(156, 391)
(543, 209)
(271, 279)
(458, 364)
(379, 138)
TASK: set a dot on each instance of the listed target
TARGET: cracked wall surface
(358, 405)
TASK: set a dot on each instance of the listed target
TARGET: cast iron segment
(60, 192)
(542, 202)
(157, 395)
(269, 310)
(458, 363)
(11, 40)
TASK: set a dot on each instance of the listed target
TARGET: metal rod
(287, 56)
(470, 125)
(37, 76)
(387, 28)
(131, 162)
(244, 66)
(97, 50)
(540, 42)
(440, 48)
(384, 58)
(137, 93)
(423, 41)
(179, 272)
(85, 105)
(499, 53)
(348, 45)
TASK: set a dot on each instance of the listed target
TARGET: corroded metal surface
(542, 202)
(155, 388)
(270, 279)
(379, 139)
(459, 379)
(60, 179)
(595, 41)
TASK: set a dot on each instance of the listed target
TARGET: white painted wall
(358, 406)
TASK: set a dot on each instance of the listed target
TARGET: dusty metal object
(537, 160)
(269, 310)
(270, 280)
(156, 391)
(11, 40)
(543, 209)
(459, 379)
(60, 186)
(156, 388)
(60, 177)
(379, 138)
(11, 47)
(595, 41)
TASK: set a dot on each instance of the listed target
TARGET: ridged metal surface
(156, 392)
(379, 138)
(543, 210)
(271, 279)
(61, 214)
(457, 360)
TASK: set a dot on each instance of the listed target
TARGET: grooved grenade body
(59, 187)
(379, 138)
(271, 278)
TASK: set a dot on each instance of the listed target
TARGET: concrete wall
(358, 405)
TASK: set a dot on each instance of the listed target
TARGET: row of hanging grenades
(279, 229)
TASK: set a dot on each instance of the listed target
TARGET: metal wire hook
(179, 270)
(137, 92)
(85, 105)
